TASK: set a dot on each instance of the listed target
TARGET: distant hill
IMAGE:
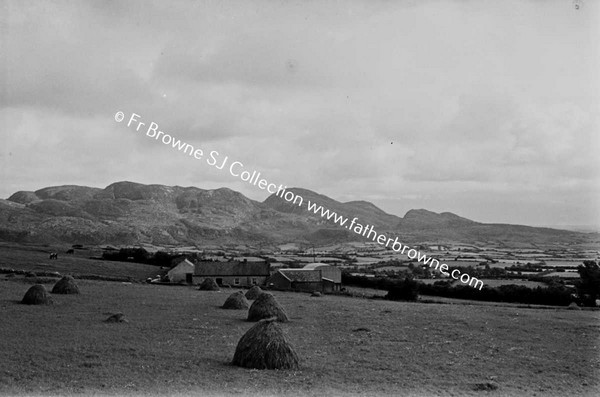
(367, 212)
(133, 213)
(420, 223)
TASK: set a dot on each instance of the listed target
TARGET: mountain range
(126, 213)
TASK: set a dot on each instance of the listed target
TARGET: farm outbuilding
(331, 275)
(234, 273)
(312, 277)
(296, 280)
(182, 271)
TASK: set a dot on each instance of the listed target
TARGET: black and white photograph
(300, 198)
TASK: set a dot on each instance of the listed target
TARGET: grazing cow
(70, 251)
(53, 255)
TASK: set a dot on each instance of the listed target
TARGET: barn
(312, 277)
(182, 271)
(296, 280)
(235, 273)
(331, 276)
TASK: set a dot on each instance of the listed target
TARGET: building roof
(183, 261)
(316, 265)
(182, 264)
(179, 260)
(232, 268)
(301, 275)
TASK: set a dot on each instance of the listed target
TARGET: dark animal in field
(70, 251)
(53, 255)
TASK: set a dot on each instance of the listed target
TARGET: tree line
(585, 293)
(140, 255)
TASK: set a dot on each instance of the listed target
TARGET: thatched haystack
(253, 293)
(236, 301)
(573, 306)
(265, 306)
(209, 284)
(37, 295)
(265, 346)
(316, 294)
(65, 285)
(116, 318)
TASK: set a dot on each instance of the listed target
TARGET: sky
(487, 109)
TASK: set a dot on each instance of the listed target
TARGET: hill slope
(133, 213)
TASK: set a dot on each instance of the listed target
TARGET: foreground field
(178, 341)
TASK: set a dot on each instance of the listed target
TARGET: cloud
(424, 104)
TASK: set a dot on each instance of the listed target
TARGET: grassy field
(178, 342)
(35, 259)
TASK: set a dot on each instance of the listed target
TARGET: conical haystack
(265, 306)
(65, 285)
(265, 346)
(253, 293)
(236, 301)
(116, 318)
(209, 284)
(37, 295)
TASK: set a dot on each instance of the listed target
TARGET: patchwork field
(178, 341)
(494, 282)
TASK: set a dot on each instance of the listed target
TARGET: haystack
(573, 306)
(253, 293)
(65, 285)
(265, 306)
(116, 318)
(316, 294)
(265, 346)
(209, 284)
(37, 295)
(236, 301)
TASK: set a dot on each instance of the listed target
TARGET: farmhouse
(237, 273)
(182, 271)
(312, 277)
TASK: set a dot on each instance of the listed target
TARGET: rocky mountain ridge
(132, 213)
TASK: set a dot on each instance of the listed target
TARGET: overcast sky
(488, 109)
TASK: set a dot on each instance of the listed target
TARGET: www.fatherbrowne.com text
(237, 169)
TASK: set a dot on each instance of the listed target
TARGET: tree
(417, 271)
(588, 287)
(406, 290)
